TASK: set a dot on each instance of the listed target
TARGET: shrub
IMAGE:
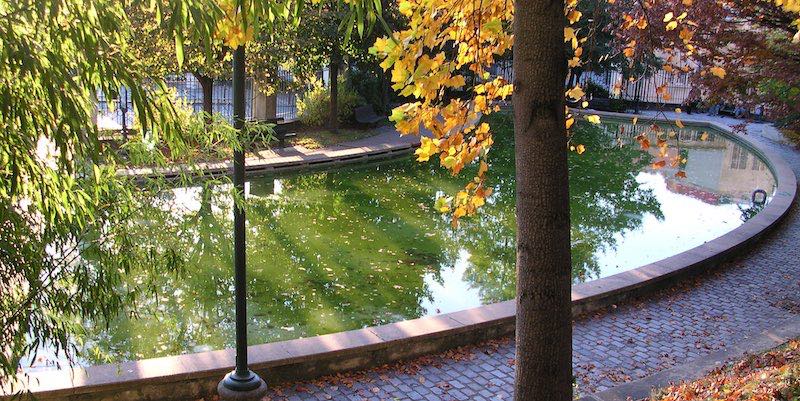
(595, 90)
(314, 106)
(369, 87)
(205, 137)
(617, 105)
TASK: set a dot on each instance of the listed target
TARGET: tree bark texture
(544, 321)
(207, 85)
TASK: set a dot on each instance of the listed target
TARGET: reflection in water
(714, 198)
(343, 249)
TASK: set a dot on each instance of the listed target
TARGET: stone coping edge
(195, 375)
(697, 368)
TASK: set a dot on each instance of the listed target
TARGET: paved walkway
(741, 298)
(386, 139)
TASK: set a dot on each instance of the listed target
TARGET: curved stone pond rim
(192, 376)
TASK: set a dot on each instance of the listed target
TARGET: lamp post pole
(242, 383)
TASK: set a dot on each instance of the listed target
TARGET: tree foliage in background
(313, 109)
(742, 52)
(760, 52)
(155, 47)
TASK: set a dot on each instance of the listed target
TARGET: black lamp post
(242, 383)
(123, 107)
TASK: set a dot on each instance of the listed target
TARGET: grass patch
(322, 138)
(772, 375)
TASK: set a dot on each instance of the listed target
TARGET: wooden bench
(366, 115)
(282, 131)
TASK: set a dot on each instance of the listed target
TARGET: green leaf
(397, 115)
(494, 26)
(179, 48)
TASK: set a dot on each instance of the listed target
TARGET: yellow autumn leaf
(427, 148)
(580, 149)
(576, 93)
(397, 115)
(574, 16)
(668, 17)
(405, 7)
(569, 34)
(628, 52)
(635, 120)
(449, 162)
(704, 136)
(672, 25)
(483, 168)
(594, 119)
(442, 204)
(685, 34)
(718, 72)
(570, 122)
(480, 103)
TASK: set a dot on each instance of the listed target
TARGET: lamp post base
(234, 387)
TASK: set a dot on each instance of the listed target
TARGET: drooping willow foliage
(64, 249)
(67, 249)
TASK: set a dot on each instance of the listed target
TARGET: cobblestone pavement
(750, 294)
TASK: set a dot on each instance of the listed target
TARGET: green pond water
(347, 248)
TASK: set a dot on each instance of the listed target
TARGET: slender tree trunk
(544, 321)
(333, 76)
(207, 85)
(385, 90)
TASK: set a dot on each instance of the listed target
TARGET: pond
(342, 249)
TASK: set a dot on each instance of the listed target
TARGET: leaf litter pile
(773, 375)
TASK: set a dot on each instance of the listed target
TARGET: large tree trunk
(333, 77)
(544, 321)
(207, 85)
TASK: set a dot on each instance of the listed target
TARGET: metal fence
(286, 96)
(118, 112)
(644, 90)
